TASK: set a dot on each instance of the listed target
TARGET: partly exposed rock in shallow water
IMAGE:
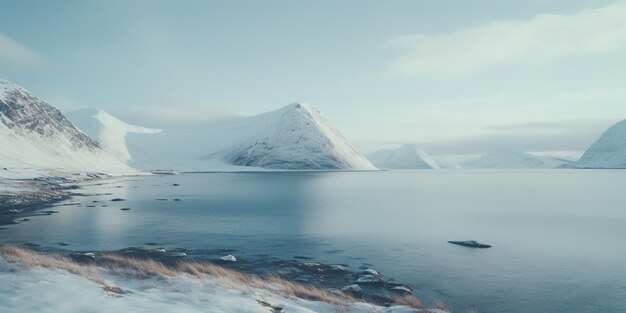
(368, 285)
(229, 258)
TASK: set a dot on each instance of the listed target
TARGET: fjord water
(558, 236)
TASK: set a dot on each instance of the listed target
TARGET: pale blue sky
(454, 76)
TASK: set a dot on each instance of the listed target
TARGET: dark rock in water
(161, 199)
(175, 185)
(118, 199)
(125, 209)
(116, 290)
(104, 205)
(151, 244)
(62, 244)
(334, 251)
(177, 200)
(401, 289)
(470, 243)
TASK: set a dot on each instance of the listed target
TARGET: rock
(401, 289)
(336, 267)
(83, 257)
(369, 279)
(118, 199)
(354, 288)
(177, 254)
(125, 209)
(229, 258)
(116, 290)
(372, 272)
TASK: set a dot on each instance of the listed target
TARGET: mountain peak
(297, 136)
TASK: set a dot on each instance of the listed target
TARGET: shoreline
(21, 198)
(118, 273)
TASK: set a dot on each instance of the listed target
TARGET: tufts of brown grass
(30, 258)
(145, 268)
(305, 292)
(409, 301)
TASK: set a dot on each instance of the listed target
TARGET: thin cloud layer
(14, 54)
(545, 37)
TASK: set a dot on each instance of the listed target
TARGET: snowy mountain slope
(35, 135)
(609, 151)
(407, 156)
(514, 159)
(296, 137)
(109, 131)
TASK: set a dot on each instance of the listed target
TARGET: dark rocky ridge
(23, 113)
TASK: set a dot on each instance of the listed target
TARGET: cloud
(14, 54)
(545, 37)
(170, 116)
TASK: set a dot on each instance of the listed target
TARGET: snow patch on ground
(43, 290)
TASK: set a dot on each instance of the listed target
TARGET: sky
(453, 76)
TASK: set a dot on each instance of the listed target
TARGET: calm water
(559, 236)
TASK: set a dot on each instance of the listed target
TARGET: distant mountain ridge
(514, 160)
(407, 156)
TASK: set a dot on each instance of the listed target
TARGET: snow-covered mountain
(514, 159)
(297, 136)
(407, 156)
(609, 151)
(35, 135)
(109, 131)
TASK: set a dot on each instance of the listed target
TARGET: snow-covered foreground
(52, 288)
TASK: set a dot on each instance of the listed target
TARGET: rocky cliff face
(34, 134)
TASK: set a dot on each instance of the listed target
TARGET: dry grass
(409, 301)
(135, 268)
(30, 258)
(143, 269)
